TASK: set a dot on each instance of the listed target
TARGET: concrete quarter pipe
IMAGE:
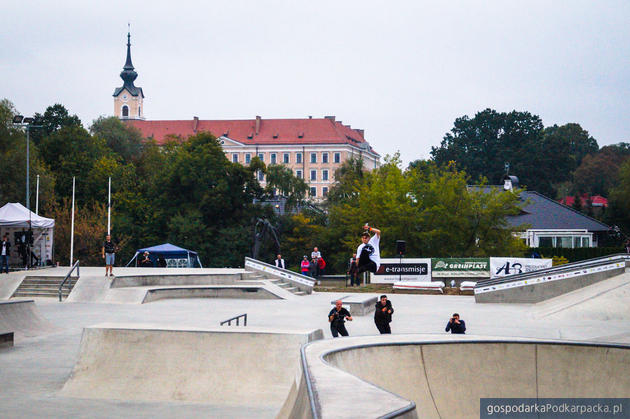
(23, 318)
(246, 367)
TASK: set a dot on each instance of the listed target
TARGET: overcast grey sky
(401, 70)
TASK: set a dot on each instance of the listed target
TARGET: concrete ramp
(604, 300)
(23, 318)
(246, 367)
(437, 376)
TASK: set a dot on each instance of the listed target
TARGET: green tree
(618, 212)
(281, 178)
(13, 163)
(598, 172)
(540, 157)
(54, 118)
(124, 140)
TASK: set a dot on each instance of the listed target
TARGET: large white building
(312, 147)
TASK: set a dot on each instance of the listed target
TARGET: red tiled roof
(596, 200)
(271, 131)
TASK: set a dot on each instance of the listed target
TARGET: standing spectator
(305, 266)
(321, 266)
(353, 271)
(5, 246)
(337, 317)
(146, 261)
(279, 262)
(109, 254)
(627, 246)
(161, 262)
(455, 325)
(315, 253)
(313, 268)
(383, 315)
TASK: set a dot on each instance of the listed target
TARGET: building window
(261, 156)
(248, 158)
(337, 157)
(324, 157)
(313, 191)
(324, 174)
(313, 157)
(261, 176)
(313, 174)
(324, 191)
(139, 111)
(564, 241)
(125, 111)
(234, 158)
(298, 157)
(285, 158)
(298, 174)
(273, 158)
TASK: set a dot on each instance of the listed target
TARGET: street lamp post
(27, 123)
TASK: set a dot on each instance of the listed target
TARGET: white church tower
(128, 98)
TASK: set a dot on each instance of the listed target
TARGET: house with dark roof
(313, 148)
(548, 223)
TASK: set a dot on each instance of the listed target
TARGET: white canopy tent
(15, 220)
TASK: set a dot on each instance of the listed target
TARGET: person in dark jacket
(455, 325)
(146, 261)
(353, 271)
(161, 262)
(337, 317)
(383, 315)
(5, 248)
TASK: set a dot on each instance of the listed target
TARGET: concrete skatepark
(108, 350)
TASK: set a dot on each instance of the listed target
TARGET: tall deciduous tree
(598, 172)
(124, 140)
(540, 157)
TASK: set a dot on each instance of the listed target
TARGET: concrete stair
(287, 286)
(44, 287)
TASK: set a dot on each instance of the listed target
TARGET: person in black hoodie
(455, 325)
(383, 315)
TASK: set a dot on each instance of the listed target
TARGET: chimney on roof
(195, 123)
(310, 117)
(331, 117)
(361, 131)
(258, 120)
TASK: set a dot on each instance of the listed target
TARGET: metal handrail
(76, 265)
(553, 270)
(229, 321)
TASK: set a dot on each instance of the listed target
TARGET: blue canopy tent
(176, 257)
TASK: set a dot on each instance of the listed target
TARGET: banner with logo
(394, 270)
(460, 267)
(510, 266)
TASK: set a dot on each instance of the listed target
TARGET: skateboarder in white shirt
(368, 252)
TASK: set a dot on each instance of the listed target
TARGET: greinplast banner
(510, 266)
(460, 267)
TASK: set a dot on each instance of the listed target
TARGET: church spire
(128, 99)
(128, 74)
(128, 64)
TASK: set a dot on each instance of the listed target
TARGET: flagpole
(72, 225)
(109, 206)
(37, 197)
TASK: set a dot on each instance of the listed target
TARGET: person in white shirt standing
(5, 245)
(280, 262)
(368, 252)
